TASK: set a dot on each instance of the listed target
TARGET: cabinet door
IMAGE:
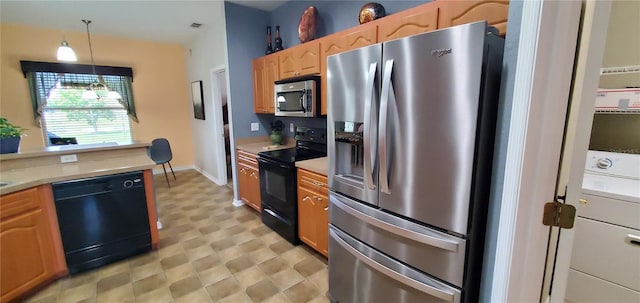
(30, 243)
(307, 225)
(307, 56)
(287, 63)
(258, 85)
(254, 183)
(271, 75)
(322, 223)
(495, 12)
(244, 184)
(417, 20)
(359, 36)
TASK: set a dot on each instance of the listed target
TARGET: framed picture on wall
(198, 99)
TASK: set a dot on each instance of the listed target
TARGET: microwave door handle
(369, 154)
(387, 92)
(304, 93)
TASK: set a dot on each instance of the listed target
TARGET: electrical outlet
(68, 158)
(292, 128)
(255, 127)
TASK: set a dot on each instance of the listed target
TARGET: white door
(547, 141)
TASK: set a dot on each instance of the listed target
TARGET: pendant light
(65, 52)
(98, 84)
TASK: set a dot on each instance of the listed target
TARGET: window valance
(72, 68)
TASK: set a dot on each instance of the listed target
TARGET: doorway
(224, 161)
(622, 49)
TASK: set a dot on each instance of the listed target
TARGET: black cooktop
(310, 143)
(291, 155)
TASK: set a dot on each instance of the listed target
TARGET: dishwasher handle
(95, 186)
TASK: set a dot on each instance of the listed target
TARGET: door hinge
(559, 214)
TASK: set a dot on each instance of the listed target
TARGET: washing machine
(605, 262)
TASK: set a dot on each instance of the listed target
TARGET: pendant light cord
(87, 22)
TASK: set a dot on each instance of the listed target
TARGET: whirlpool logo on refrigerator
(440, 52)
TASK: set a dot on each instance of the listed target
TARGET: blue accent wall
(245, 41)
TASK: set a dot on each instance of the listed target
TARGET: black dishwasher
(102, 219)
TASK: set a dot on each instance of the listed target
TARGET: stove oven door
(279, 197)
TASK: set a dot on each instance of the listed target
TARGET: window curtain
(43, 76)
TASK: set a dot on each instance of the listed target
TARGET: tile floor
(209, 251)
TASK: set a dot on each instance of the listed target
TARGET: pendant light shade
(65, 52)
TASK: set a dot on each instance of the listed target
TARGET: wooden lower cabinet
(248, 179)
(30, 243)
(313, 210)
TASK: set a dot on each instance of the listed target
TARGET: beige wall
(159, 82)
(623, 44)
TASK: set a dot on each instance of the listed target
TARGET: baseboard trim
(157, 171)
(237, 203)
(210, 177)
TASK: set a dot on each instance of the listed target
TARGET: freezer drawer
(607, 251)
(430, 251)
(583, 288)
(358, 273)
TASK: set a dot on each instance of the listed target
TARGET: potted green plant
(276, 132)
(9, 136)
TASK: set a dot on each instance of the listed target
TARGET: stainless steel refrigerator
(411, 130)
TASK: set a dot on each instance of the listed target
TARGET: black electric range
(278, 180)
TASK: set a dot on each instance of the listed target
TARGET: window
(62, 111)
(67, 114)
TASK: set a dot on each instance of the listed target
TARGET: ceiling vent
(195, 25)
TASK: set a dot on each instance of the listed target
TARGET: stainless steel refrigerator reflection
(411, 129)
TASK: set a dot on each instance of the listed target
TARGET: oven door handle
(273, 163)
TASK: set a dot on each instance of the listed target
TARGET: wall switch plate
(292, 128)
(255, 127)
(68, 158)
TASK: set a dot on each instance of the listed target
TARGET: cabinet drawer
(19, 202)
(246, 158)
(586, 288)
(610, 210)
(313, 181)
(616, 249)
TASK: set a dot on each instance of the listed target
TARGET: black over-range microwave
(297, 97)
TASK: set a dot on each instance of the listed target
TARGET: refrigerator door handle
(387, 91)
(428, 289)
(402, 232)
(369, 154)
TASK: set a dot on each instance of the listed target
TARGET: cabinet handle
(326, 208)
(306, 198)
(243, 170)
(317, 198)
(253, 174)
(318, 183)
(633, 239)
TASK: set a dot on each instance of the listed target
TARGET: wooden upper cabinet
(452, 12)
(265, 73)
(271, 75)
(303, 59)
(347, 40)
(30, 243)
(417, 20)
(258, 84)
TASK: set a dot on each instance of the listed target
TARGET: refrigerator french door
(411, 130)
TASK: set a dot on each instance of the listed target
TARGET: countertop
(256, 147)
(94, 160)
(73, 148)
(317, 165)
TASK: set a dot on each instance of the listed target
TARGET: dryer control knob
(604, 163)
